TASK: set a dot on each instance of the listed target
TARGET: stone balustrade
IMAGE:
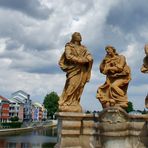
(111, 128)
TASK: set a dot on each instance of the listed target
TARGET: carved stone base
(111, 128)
(71, 108)
(76, 130)
(121, 130)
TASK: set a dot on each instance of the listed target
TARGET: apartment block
(4, 109)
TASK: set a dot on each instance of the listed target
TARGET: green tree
(144, 112)
(88, 112)
(51, 103)
(15, 118)
(130, 107)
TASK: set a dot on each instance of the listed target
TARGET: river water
(40, 138)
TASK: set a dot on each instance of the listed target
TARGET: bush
(15, 118)
(11, 125)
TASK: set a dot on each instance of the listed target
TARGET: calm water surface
(41, 138)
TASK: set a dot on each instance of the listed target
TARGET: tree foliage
(130, 107)
(51, 103)
(144, 112)
(15, 118)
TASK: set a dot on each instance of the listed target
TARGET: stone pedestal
(120, 130)
(111, 128)
(77, 130)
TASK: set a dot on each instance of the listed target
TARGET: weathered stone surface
(66, 124)
(76, 130)
(126, 132)
(111, 128)
(76, 61)
(113, 92)
(122, 142)
(113, 115)
(70, 132)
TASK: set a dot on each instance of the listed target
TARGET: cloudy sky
(33, 34)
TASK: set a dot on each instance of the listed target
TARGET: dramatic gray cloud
(129, 16)
(32, 8)
(33, 34)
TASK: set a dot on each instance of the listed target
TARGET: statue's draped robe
(107, 91)
(76, 74)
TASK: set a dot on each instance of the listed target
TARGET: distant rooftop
(20, 96)
(20, 91)
(3, 98)
(37, 104)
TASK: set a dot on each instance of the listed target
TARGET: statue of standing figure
(144, 67)
(114, 91)
(76, 61)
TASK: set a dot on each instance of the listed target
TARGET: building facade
(39, 112)
(20, 105)
(22, 97)
(44, 113)
(21, 112)
(37, 109)
(4, 109)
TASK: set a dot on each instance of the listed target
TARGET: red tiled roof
(3, 98)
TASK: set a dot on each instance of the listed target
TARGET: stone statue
(144, 67)
(114, 91)
(76, 61)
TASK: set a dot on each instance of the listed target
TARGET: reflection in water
(40, 138)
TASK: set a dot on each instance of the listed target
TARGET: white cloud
(134, 54)
(31, 44)
(36, 85)
(2, 45)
